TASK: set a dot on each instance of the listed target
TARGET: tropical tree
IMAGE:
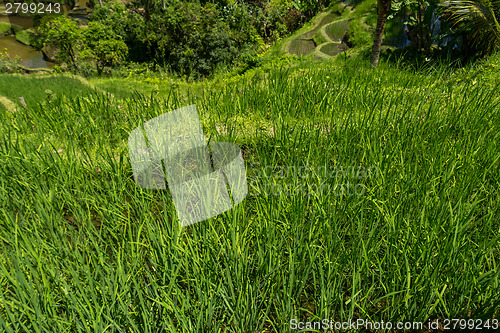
(383, 7)
(478, 20)
(62, 34)
(102, 46)
(147, 8)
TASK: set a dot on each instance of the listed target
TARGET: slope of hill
(373, 193)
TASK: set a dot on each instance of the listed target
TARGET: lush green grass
(302, 47)
(331, 49)
(336, 31)
(24, 36)
(33, 88)
(85, 250)
(5, 28)
(125, 88)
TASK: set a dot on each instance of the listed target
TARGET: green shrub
(102, 47)
(394, 33)
(62, 34)
(192, 39)
(5, 28)
(8, 65)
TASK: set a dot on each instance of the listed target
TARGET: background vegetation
(197, 39)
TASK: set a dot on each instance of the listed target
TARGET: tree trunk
(163, 4)
(383, 7)
(100, 3)
(72, 57)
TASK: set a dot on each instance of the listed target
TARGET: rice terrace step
(323, 39)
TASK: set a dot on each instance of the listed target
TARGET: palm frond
(479, 19)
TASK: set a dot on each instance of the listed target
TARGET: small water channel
(31, 58)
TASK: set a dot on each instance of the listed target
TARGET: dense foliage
(192, 38)
(466, 28)
(478, 23)
(197, 38)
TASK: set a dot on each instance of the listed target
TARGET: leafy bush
(101, 48)
(362, 23)
(294, 19)
(240, 20)
(128, 25)
(62, 34)
(270, 19)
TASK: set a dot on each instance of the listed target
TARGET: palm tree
(478, 20)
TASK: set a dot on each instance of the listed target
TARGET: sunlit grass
(84, 249)
(36, 89)
(5, 29)
(24, 36)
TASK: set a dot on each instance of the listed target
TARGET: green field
(35, 89)
(331, 49)
(302, 47)
(336, 31)
(373, 193)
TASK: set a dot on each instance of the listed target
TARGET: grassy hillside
(35, 89)
(373, 194)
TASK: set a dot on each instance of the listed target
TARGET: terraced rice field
(324, 37)
(336, 31)
(302, 47)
